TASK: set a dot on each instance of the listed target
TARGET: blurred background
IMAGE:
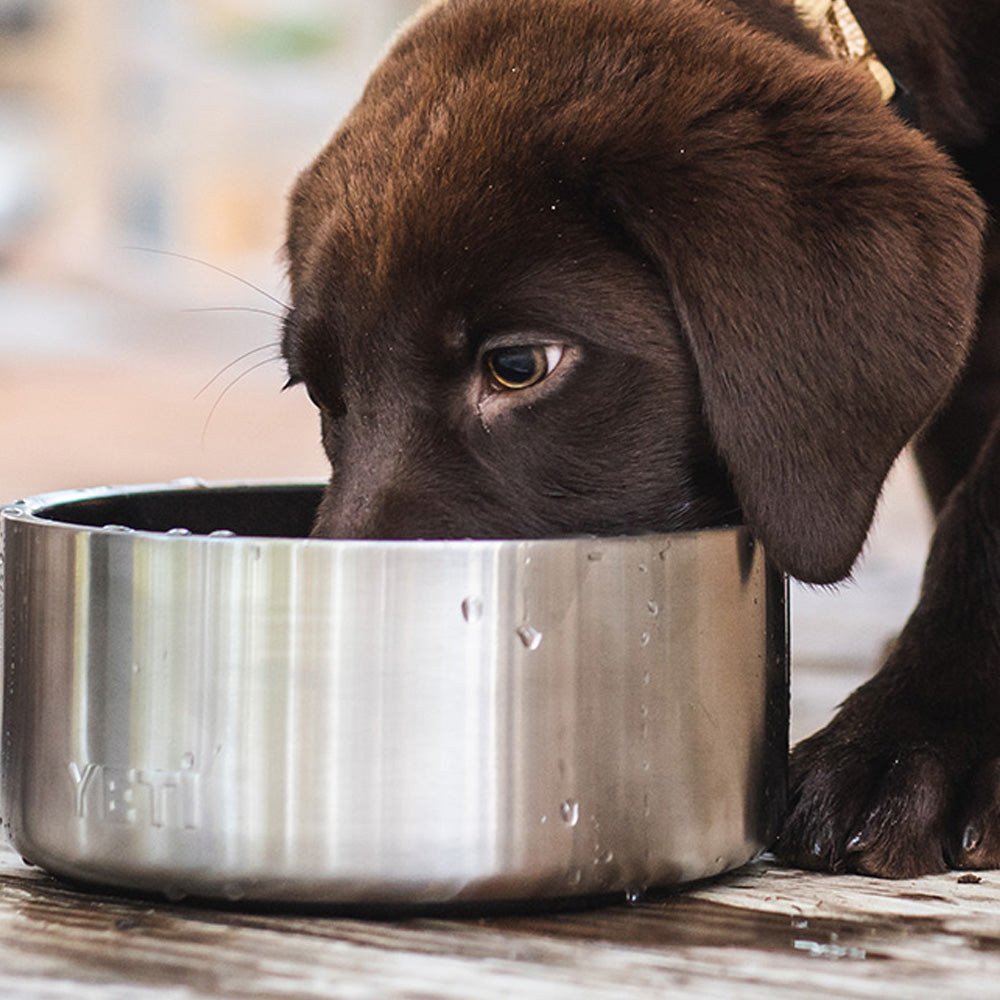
(146, 147)
(132, 131)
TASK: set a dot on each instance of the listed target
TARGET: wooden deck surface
(762, 932)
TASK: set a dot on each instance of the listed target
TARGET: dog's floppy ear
(823, 261)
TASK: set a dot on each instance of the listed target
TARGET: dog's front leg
(906, 778)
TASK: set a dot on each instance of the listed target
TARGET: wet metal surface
(198, 705)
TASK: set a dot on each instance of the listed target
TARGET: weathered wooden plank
(764, 932)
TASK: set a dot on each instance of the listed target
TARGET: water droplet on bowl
(653, 608)
(179, 531)
(233, 891)
(530, 637)
(11, 511)
(569, 811)
(119, 529)
(644, 639)
(472, 609)
(187, 761)
(173, 893)
(222, 533)
(634, 896)
(575, 877)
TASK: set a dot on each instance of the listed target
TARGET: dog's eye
(295, 380)
(521, 367)
(334, 408)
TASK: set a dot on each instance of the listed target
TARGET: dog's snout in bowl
(426, 437)
(203, 701)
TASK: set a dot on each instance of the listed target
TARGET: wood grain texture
(761, 932)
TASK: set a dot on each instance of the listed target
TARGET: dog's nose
(339, 518)
(387, 513)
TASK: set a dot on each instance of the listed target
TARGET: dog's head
(573, 266)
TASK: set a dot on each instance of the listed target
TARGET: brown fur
(764, 285)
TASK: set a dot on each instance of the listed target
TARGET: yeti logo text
(157, 798)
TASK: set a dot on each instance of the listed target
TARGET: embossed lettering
(81, 779)
(158, 783)
(158, 798)
(190, 799)
(119, 794)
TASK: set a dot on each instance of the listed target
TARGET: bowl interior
(262, 510)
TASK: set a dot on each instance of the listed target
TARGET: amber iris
(517, 367)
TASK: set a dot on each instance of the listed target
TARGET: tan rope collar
(844, 38)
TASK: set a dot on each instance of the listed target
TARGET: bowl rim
(33, 510)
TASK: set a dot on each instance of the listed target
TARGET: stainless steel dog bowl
(200, 701)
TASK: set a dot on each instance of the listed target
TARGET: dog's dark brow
(291, 326)
(457, 338)
(288, 321)
(296, 344)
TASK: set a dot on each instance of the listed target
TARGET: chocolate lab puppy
(619, 266)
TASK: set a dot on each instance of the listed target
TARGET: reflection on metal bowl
(201, 701)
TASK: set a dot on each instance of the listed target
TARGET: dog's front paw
(905, 780)
(877, 796)
(978, 820)
(854, 806)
